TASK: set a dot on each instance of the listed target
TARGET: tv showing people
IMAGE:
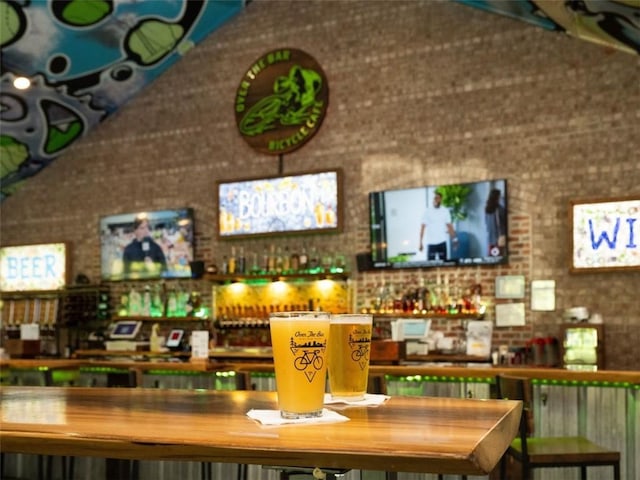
(147, 245)
(440, 225)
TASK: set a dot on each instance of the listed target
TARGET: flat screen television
(308, 202)
(147, 245)
(439, 225)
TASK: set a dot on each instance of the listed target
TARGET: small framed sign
(605, 234)
(34, 267)
(510, 286)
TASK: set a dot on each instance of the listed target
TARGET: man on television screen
(143, 257)
(437, 224)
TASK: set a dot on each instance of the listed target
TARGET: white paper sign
(543, 295)
(200, 344)
(479, 333)
(510, 314)
(29, 331)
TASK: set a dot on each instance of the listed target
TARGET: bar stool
(548, 452)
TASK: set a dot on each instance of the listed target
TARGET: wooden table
(410, 434)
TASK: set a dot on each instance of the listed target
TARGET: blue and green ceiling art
(614, 23)
(85, 59)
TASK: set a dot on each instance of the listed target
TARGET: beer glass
(349, 351)
(299, 341)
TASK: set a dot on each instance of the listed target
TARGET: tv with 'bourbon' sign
(440, 225)
(297, 203)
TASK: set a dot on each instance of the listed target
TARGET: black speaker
(364, 262)
(197, 269)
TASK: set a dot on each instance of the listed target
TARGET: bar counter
(459, 436)
(629, 378)
(602, 405)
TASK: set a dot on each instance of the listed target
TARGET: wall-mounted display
(605, 234)
(440, 225)
(34, 267)
(147, 245)
(299, 203)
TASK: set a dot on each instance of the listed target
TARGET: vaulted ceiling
(84, 59)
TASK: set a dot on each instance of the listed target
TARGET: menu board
(33, 267)
(605, 234)
(308, 202)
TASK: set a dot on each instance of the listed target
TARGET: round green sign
(281, 101)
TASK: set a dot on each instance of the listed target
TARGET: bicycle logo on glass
(360, 350)
(308, 350)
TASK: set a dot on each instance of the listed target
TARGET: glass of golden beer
(299, 341)
(349, 351)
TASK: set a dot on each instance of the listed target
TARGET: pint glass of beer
(349, 350)
(300, 344)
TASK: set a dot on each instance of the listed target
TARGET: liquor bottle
(279, 260)
(314, 260)
(189, 307)
(157, 305)
(241, 262)
(303, 259)
(231, 265)
(135, 302)
(286, 261)
(254, 269)
(146, 301)
(123, 309)
(193, 304)
(265, 260)
(271, 262)
(182, 298)
(422, 297)
(295, 262)
(172, 304)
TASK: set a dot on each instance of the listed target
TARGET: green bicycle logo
(281, 101)
(294, 96)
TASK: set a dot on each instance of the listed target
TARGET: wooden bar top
(479, 372)
(411, 434)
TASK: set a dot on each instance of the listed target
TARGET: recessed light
(22, 83)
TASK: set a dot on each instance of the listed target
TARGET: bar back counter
(602, 406)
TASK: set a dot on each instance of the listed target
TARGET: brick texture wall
(421, 92)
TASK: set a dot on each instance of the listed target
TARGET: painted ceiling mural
(84, 59)
(87, 58)
(614, 23)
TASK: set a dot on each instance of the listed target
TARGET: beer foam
(351, 318)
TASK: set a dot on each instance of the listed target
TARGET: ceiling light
(22, 83)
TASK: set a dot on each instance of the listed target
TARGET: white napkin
(272, 417)
(369, 400)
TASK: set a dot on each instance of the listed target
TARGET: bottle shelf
(434, 315)
(242, 322)
(160, 319)
(274, 277)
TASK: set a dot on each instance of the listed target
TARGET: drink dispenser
(583, 346)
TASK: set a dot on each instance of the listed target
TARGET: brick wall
(420, 93)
